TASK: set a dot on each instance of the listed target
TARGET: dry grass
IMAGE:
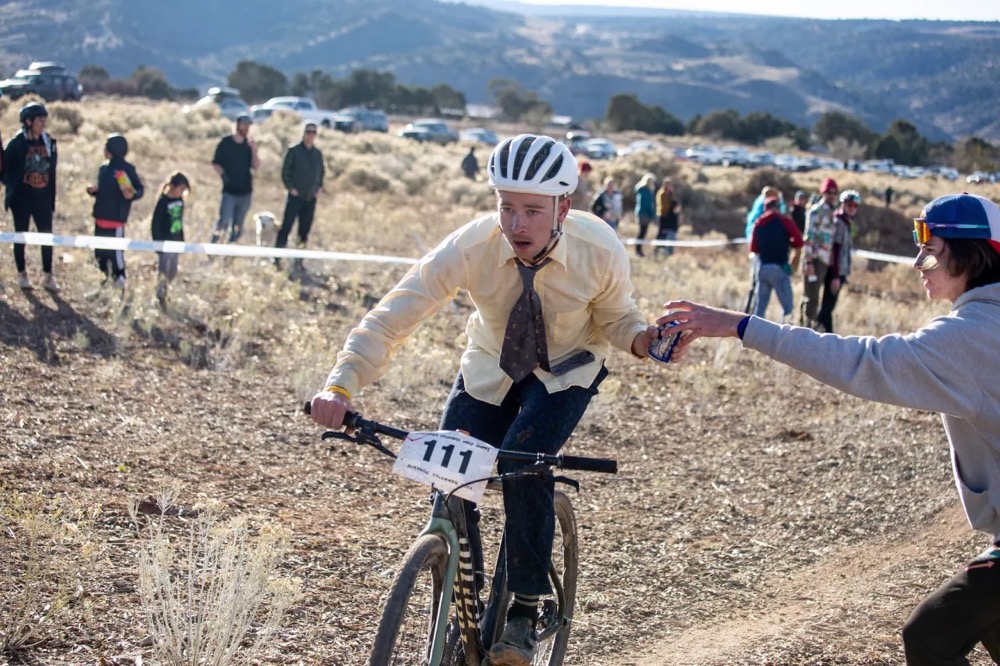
(206, 393)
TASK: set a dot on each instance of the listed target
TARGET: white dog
(268, 225)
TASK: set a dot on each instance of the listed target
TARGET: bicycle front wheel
(556, 610)
(406, 631)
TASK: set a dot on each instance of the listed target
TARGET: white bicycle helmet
(533, 165)
(850, 195)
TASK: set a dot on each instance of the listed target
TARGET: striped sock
(525, 605)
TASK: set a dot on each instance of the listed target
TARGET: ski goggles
(922, 231)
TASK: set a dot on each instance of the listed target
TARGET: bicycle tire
(565, 570)
(412, 598)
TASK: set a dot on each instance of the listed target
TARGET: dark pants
(23, 211)
(304, 210)
(111, 262)
(811, 294)
(825, 317)
(964, 611)
(534, 420)
(643, 221)
(667, 231)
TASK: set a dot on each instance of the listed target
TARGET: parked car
(735, 156)
(600, 149)
(48, 80)
(372, 120)
(307, 109)
(704, 154)
(639, 146)
(979, 177)
(576, 141)
(227, 100)
(429, 130)
(480, 135)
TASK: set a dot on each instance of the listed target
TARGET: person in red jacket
(772, 236)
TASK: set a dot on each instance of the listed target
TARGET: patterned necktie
(524, 346)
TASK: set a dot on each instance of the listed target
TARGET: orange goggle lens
(921, 232)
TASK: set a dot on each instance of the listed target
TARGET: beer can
(662, 346)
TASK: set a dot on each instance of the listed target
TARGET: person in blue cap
(949, 366)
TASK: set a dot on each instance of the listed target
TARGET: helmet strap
(554, 238)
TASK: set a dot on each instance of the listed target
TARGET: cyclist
(948, 366)
(551, 289)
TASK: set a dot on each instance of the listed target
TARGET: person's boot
(49, 282)
(516, 646)
(23, 282)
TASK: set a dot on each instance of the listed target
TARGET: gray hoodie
(951, 366)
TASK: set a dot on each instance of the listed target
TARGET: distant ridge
(940, 75)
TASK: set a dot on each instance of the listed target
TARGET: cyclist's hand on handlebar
(328, 409)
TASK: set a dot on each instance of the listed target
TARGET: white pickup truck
(307, 109)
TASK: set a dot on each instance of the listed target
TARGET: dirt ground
(758, 517)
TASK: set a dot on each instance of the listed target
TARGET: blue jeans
(232, 211)
(534, 420)
(773, 277)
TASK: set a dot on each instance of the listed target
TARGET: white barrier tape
(879, 256)
(685, 243)
(178, 247)
(104, 243)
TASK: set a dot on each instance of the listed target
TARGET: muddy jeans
(529, 419)
(964, 611)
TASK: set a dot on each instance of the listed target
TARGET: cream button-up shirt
(586, 296)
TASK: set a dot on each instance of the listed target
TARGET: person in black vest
(235, 161)
(30, 180)
(302, 173)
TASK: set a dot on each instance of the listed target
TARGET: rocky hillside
(938, 74)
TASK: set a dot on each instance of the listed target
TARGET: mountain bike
(434, 614)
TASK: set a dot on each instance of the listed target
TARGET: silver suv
(372, 120)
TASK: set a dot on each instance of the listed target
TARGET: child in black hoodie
(118, 185)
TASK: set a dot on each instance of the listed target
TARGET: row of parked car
(350, 119)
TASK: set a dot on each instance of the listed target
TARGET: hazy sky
(975, 10)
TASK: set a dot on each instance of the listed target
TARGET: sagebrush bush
(203, 592)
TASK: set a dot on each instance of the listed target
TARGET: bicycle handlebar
(354, 421)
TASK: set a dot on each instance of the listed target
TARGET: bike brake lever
(336, 434)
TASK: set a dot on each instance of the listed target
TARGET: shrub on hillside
(69, 115)
(771, 177)
(366, 179)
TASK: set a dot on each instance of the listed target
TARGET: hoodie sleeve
(137, 185)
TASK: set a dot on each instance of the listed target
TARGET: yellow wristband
(336, 389)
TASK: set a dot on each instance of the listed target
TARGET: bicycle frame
(443, 523)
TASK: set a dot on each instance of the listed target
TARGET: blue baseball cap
(963, 216)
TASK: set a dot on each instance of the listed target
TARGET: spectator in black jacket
(30, 180)
(118, 185)
(302, 173)
(800, 206)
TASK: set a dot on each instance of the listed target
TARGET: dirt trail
(812, 604)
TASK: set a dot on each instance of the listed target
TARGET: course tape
(105, 243)
(177, 247)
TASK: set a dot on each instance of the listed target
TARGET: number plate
(446, 460)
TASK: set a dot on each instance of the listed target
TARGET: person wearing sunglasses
(949, 366)
(840, 258)
(302, 173)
